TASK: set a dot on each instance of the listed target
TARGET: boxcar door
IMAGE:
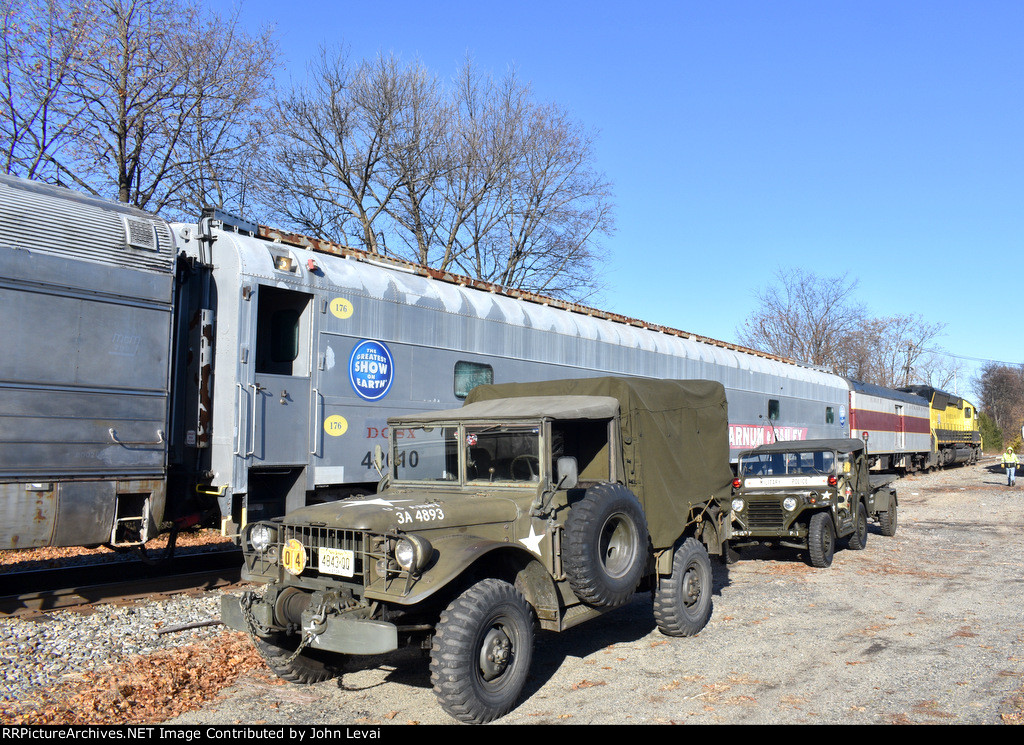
(280, 394)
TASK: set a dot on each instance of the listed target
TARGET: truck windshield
(491, 453)
(809, 462)
(426, 454)
(501, 452)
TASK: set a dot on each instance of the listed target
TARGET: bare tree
(329, 176)
(476, 178)
(941, 370)
(893, 351)
(43, 42)
(419, 161)
(817, 320)
(228, 78)
(556, 205)
(805, 317)
(482, 146)
(152, 102)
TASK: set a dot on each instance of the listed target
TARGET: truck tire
(305, 669)
(606, 545)
(887, 519)
(859, 538)
(481, 653)
(682, 601)
(821, 540)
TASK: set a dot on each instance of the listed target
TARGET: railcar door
(279, 396)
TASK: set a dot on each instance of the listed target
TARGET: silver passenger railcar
(313, 351)
(155, 374)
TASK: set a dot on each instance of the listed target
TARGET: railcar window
(284, 335)
(468, 375)
(967, 412)
(282, 332)
(773, 409)
(829, 415)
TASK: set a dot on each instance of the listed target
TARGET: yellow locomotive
(956, 437)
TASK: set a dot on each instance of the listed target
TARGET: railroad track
(35, 592)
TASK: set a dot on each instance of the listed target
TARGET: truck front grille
(765, 515)
(366, 552)
(315, 539)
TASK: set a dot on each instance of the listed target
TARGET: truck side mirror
(567, 472)
(378, 459)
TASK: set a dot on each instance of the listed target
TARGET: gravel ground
(40, 654)
(923, 627)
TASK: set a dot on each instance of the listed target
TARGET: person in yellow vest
(1010, 464)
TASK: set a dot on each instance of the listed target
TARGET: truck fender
(709, 526)
(881, 499)
(457, 553)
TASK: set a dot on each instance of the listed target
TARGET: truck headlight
(789, 504)
(413, 553)
(737, 505)
(261, 537)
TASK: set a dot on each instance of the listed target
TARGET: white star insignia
(379, 502)
(532, 541)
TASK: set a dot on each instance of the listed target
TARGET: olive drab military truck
(806, 494)
(537, 504)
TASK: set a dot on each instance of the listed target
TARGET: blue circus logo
(370, 369)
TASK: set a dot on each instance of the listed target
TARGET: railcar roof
(421, 285)
(902, 394)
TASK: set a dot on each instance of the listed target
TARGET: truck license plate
(338, 561)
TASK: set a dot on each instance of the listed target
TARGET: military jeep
(806, 494)
(533, 505)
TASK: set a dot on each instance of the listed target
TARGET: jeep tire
(858, 540)
(821, 540)
(305, 668)
(481, 652)
(682, 601)
(887, 519)
(606, 545)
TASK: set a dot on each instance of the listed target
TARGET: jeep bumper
(331, 633)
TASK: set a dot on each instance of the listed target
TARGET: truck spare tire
(606, 545)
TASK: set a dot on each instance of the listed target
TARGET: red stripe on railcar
(884, 421)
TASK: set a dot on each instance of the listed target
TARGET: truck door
(279, 396)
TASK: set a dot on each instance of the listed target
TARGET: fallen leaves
(1016, 706)
(24, 559)
(146, 689)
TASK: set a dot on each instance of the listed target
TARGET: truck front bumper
(331, 632)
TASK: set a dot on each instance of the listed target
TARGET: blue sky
(879, 139)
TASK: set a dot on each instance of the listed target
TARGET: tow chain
(253, 624)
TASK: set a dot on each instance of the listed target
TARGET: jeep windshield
(795, 463)
(470, 452)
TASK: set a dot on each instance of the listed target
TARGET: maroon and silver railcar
(895, 426)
